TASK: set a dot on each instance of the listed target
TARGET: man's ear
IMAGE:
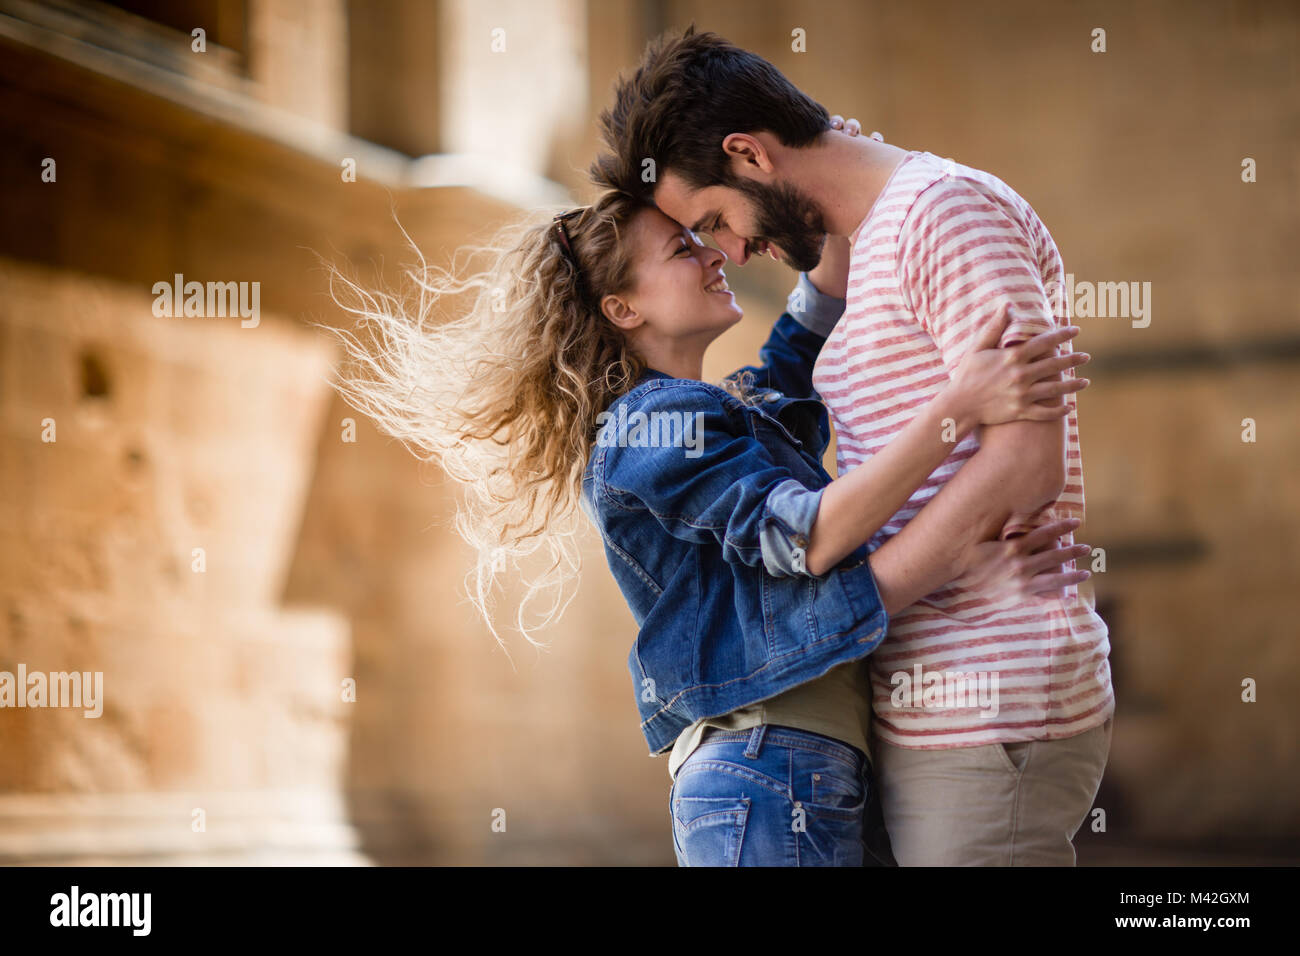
(620, 313)
(748, 153)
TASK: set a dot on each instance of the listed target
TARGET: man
(992, 717)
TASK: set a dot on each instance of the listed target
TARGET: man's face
(750, 218)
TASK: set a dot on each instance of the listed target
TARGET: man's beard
(788, 219)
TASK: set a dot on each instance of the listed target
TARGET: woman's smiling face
(675, 273)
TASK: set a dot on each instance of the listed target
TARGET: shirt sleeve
(813, 309)
(964, 253)
(724, 487)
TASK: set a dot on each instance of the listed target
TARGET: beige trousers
(998, 805)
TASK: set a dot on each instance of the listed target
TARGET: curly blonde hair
(504, 395)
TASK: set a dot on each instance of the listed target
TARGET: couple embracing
(893, 666)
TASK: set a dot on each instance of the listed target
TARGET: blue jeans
(777, 796)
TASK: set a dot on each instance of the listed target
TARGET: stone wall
(330, 560)
(155, 473)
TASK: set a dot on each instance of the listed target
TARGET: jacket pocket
(847, 599)
(801, 611)
(830, 607)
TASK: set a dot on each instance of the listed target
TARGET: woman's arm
(714, 481)
(787, 357)
(857, 505)
(990, 383)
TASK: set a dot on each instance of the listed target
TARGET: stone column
(149, 541)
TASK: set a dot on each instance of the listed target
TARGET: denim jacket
(705, 504)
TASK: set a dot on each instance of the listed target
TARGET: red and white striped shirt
(941, 250)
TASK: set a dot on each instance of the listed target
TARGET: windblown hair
(689, 93)
(504, 395)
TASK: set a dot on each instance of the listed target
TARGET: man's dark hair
(687, 95)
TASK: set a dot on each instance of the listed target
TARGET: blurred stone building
(291, 671)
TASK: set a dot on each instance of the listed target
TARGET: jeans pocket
(827, 786)
(829, 806)
(710, 830)
(833, 789)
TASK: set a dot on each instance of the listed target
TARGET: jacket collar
(652, 373)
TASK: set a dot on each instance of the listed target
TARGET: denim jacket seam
(699, 591)
(631, 562)
(693, 522)
(604, 486)
(636, 566)
(802, 649)
(609, 491)
(780, 425)
(688, 520)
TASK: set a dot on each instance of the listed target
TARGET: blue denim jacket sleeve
(728, 488)
(786, 359)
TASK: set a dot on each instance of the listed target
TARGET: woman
(571, 379)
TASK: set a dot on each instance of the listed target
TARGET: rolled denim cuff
(787, 524)
(815, 311)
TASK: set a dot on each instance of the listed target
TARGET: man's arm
(1019, 468)
(961, 257)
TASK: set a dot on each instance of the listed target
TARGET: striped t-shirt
(943, 247)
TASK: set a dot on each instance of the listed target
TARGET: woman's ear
(620, 312)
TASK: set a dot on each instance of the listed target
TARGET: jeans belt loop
(755, 746)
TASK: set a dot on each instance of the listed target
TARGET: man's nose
(734, 248)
